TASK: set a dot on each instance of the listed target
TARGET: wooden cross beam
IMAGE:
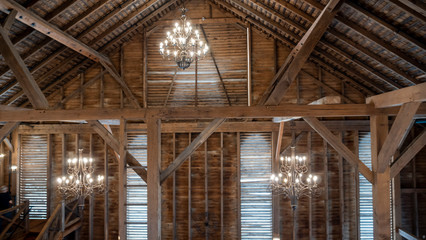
(396, 134)
(7, 24)
(115, 145)
(415, 93)
(298, 56)
(200, 139)
(415, 146)
(7, 129)
(337, 144)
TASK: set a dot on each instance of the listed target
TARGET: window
(136, 204)
(365, 189)
(256, 198)
(33, 174)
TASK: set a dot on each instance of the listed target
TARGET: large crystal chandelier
(80, 182)
(291, 181)
(183, 44)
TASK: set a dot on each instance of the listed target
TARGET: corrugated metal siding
(365, 189)
(33, 174)
(256, 198)
(136, 207)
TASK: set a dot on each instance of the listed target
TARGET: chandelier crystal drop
(291, 181)
(183, 44)
(80, 181)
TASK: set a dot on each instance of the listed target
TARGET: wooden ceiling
(375, 46)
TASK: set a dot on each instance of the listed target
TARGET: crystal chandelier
(183, 45)
(291, 181)
(80, 182)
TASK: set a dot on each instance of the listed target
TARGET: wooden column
(50, 159)
(122, 177)
(154, 188)
(381, 184)
(249, 40)
(106, 202)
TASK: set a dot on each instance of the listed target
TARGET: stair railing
(60, 223)
(23, 209)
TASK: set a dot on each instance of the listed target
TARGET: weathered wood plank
(153, 183)
(7, 129)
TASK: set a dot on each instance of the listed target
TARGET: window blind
(256, 198)
(365, 189)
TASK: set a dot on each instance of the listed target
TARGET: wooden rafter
(48, 41)
(298, 56)
(326, 44)
(200, 139)
(41, 25)
(337, 144)
(95, 40)
(399, 128)
(415, 146)
(396, 98)
(23, 75)
(290, 43)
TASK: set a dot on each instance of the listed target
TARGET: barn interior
(184, 146)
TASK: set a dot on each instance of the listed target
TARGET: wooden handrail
(54, 215)
(12, 208)
(22, 206)
(49, 222)
(407, 235)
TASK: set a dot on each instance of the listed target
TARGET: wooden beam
(415, 93)
(337, 144)
(381, 185)
(298, 56)
(415, 146)
(7, 24)
(287, 110)
(115, 145)
(122, 179)
(46, 28)
(202, 137)
(7, 129)
(279, 141)
(8, 144)
(415, 8)
(153, 184)
(399, 128)
(23, 75)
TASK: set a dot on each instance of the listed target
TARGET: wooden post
(189, 191)
(102, 89)
(106, 202)
(82, 79)
(238, 186)
(356, 179)
(91, 197)
(145, 69)
(50, 190)
(276, 145)
(206, 190)
(326, 206)
(222, 231)
(381, 184)
(122, 177)
(310, 169)
(249, 47)
(341, 192)
(153, 184)
(174, 190)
